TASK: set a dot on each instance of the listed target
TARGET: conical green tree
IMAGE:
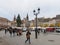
(18, 20)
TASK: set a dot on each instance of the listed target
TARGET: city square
(50, 38)
(29, 22)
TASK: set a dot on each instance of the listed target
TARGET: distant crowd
(13, 31)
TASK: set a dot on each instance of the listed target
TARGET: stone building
(4, 22)
(13, 23)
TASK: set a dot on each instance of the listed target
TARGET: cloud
(11, 7)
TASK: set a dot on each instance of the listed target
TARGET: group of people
(14, 31)
(18, 32)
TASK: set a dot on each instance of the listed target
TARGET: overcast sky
(48, 8)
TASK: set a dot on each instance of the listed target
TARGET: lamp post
(36, 13)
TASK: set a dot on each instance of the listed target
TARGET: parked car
(57, 29)
(34, 28)
(43, 29)
(24, 29)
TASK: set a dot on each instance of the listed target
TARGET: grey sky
(9, 8)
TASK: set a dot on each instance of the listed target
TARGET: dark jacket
(28, 34)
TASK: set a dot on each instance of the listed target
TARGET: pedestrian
(20, 32)
(5, 30)
(28, 37)
(13, 32)
(44, 31)
(10, 31)
(38, 30)
(17, 32)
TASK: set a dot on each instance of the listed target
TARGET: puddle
(51, 40)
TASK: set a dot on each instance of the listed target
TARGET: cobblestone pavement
(43, 39)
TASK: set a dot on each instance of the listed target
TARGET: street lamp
(36, 13)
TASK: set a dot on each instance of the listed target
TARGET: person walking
(13, 32)
(5, 30)
(45, 31)
(10, 31)
(20, 32)
(28, 37)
